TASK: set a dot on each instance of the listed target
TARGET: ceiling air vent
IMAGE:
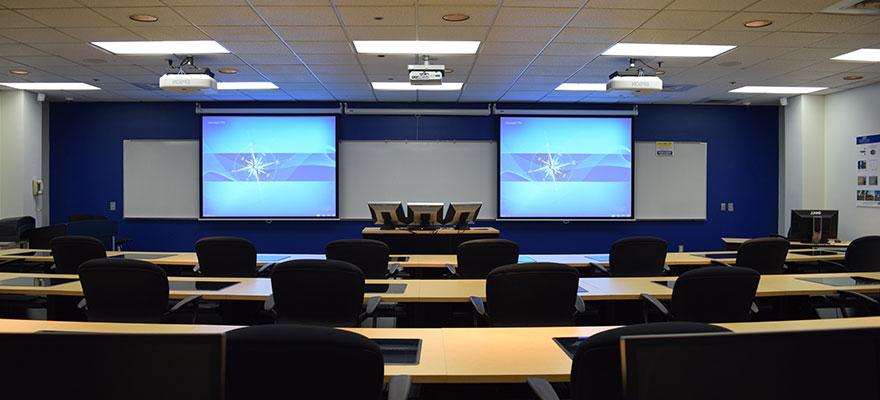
(860, 7)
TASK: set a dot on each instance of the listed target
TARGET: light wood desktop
(736, 242)
(438, 231)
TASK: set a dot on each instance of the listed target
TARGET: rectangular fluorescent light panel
(665, 50)
(408, 86)
(582, 87)
(778, 89)
(47, 86)
(861, 55)
(416, 46)
(246, 86)
(147, 47)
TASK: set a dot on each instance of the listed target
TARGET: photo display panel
(565, 168)
(268, 167)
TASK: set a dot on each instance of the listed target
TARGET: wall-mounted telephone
(37, 187)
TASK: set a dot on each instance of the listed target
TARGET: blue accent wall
(86, 174)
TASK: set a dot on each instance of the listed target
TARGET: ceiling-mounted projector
(426, 74)
(186, 78)
(634, 79)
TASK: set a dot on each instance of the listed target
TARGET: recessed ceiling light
(40, 86)
(666, 50)
(852, 77)
(227, 71)
(456, 17)
(860, 55)
(758, 23)
(143, 18)
(246, 86)
(778, 89)
(146, 47)
(416, 47)
(408, 86)
(585, 87)
(19, 71)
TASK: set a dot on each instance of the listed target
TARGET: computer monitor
(793, 365)
(813, 226)
(425, 215)
(460, 214)
(389, 214)
(113, 366)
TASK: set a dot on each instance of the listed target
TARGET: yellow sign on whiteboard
(665, 149)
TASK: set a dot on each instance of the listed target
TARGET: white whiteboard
(160, 179)
(671, 187)
(416, 171)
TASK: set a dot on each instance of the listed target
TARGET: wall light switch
(730, 207)
(112, 206)
(723, 206)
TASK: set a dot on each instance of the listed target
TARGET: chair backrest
(318, 292)
(226, 256)
(637, 256)
(118, 290)
(40, 238)
(715, 294)
(69, 252)
(765, 255)
(11, 229)
(309, 362)
(595, 368)
(371, 256)
(104, 230)
(531, 294)
(476, 258)
(85, 217)
(863, 254)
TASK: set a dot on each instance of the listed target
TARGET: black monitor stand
(387, 222)
(424, 223)
(462, 223)
(817, 236)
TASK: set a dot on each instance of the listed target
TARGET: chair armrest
(479, 307)
(869, 301)
(831, 266)
(82, 304)
(197, 268)
(647, 299)
(721, 263)
(754, 308)
(269, 304)
(601, 268)
(579, 304)
(186, 301)
(372, 304)
(542, 388)
(265, 267)
(666, 269)
(452, 269)
(399, 387)
(394, 268)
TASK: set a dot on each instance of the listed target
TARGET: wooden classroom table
(734, 243)
(434, 241)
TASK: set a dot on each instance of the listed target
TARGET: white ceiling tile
(549, 60)
(391, 95)
(735, 38)
(269, 47)
(452, 32)
(345, 78)
(313, 95)
(523, 95)
(41, 61)
(39, 4)
(848, 41)
(544, 79)
(67, 17)
(629, 4)
(660, 36)
(126, 70)
(780, 21)
(300, 16)
(367, 15)
(750, 55)
(293, 87)
(830, 23)
(376, 2)
(12, 19)
(101, 34)
(604, 18)
(691, 19)
(16, 49)
(218, 15)
(489, 59)
(167, 16)
(205, 2)
(519, 85)
(873, 27)
(520, 34)
(322, 47)
(282, 58)
(566, 70)
(500, 70)
(311, 33)
(812, 54)
(511, 48)
(37, 35)
(330, 69)
(240, 33)
(275, 69)
(281, 78)
(310, 59)
(169, 32)
(121, 3)
(382, 32)
(450, 96)
(479, 16)
(831, 66)
(590, 35)
(529, 16)
(579, 49)
(73, 51)
(454, 2)
(705, 5)
(802, 6)
(791, 39)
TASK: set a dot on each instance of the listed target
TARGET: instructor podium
(436, 241)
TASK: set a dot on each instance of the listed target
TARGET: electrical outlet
(112, 206)
(723, 206)
(681, 248)
(730, 207)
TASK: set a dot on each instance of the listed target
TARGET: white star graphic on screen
(552, 166)
(255, 166)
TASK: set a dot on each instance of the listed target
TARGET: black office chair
(636, 256)
(40, 238)
(226, 257)
(308, 362)
(119, 290)
(12, 228)
(596, 367)
(765, 255)
(371, 256)
(319, 292)
(476, 258)
(711, 294)
(862, 255)
(530, 294)
(86, 217)
(69, 252)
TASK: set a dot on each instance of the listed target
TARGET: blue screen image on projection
(268, 166)
(565, 167)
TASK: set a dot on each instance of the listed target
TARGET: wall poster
(868, 168)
